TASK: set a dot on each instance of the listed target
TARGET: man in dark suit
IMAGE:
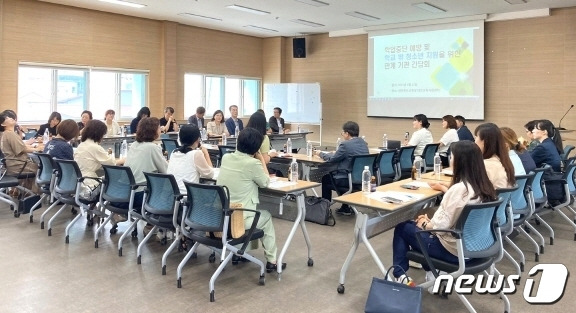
(276, 122)
(198, 118)
(463, 131)
(351, 146)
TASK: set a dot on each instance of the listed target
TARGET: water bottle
(309, 149)
(298, 127)
(418, 168)
(366, 176)
(124, 149)
(224, 139)
(236, 131)
(123, 131)
(293, 170)
(280, 130)
(338, 142)
(437, 165)
(46, 136)
(204, 134)
(385, 142)
(288, 146)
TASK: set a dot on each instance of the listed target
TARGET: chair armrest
(81, 179)
(251, 230)
(457, 234)
(17, 160)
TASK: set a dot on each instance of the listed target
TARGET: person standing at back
(276, 122)
(463, 132)
(342, 157)
(234, 121)
(198, 118)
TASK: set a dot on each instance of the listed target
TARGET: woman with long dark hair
(547, 151)
(495, 153)
(470, 184)
(190, 161)
(258, 122)
(217, 126)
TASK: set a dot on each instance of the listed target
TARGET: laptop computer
(393, 145)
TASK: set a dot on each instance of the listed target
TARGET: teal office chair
(161, 208)
(45, 178)
(358, 163)
(207, 212)
(386, 166)
(169, 145)
(428, 156)
(405, 162)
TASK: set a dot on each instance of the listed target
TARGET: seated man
(234, 121)
(198, 118)
(276, 122)
(243, 172)
(351, 146)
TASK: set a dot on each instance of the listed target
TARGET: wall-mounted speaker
(299, 47)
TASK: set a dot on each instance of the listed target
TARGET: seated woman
(144, 112)
(449, 137)
(470, 184)
(16, 151)
(190, 161)
(59, 147)
(531, 142)
(258, 122)
(520, 157)
(112, 126)
(217, 127)
(144, 155)
(53, 121)
(243, 172)
(546, 152)
(495, 153)
(90, 155)
(85, 117)
(422, 136)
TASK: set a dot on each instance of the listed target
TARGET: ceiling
(332, 16)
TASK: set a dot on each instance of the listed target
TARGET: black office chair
(169, 145)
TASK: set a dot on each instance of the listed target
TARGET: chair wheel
(212, 296)
(163, 241)
(50, 232)
(179, 282)
(114, 230)
(310, 262)
(74, 211)
(16, 213)
(262, 280)
(521, 267)
(542, 249)
(134, 233)
(537, 257)
(42, 225)
(212, 258)
(96, 243)
(537, 221)
(120, 251)
(163, 269)
(31, 219)
(340, 289)
(551, 241)
(67, 239)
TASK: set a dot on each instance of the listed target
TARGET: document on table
(280, 184)
(419, 184)
(394, 196)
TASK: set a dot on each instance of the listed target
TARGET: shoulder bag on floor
(391, 297)
(318, 211)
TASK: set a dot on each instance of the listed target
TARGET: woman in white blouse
(112, 127)
(422, 136)
(449, 137)
(217, 127)
(190, 161)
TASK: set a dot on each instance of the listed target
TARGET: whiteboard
(300, 103)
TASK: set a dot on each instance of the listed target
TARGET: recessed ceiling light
(261, 28)
(200, 16)
(247, 9)
(315, 3)
(363, 16)
(307, 23)
(429, 7)
(126, 3)
(516, 1)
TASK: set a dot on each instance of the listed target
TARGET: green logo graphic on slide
(453, 76)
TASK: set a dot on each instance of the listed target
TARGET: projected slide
(427, 70)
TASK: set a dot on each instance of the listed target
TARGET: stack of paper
(394, 196)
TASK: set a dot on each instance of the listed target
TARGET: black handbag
(318, 211)
(25, 204)
(391, 297)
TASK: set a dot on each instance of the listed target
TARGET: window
(219, 93)
(69, 90)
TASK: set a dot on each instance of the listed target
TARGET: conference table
(298, 139)
(392, 204)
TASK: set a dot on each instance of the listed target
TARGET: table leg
(301, 202)
(299, 218)
(359, 237)
(306, 167)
